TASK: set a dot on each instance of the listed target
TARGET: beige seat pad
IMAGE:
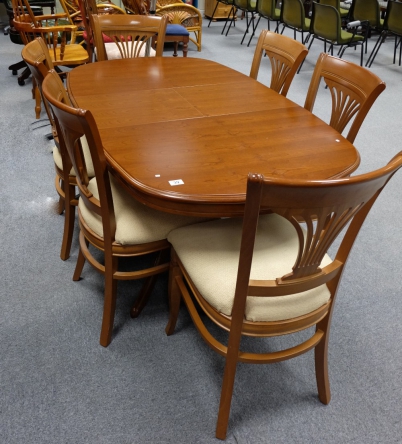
(87, 156)
(210, 254)
(135, 222)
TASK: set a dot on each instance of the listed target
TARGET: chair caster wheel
(15, 72)
(21, 82)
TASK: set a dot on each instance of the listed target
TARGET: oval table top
(183, 133)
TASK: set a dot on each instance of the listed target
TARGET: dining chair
(131, 35)
(392, 26)
(89, 7)
(285, 55)
(293, 17)
(353, 89)
(110, 220)
(37, 57)
(270, 274)
(326, 25)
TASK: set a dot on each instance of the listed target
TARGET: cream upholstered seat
(88, 160)
(202, 246)
(269, 274)
(111, 221)
(135, 222)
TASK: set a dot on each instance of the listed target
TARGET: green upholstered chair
(248, 7)
(230, 16)
(326, 25)
(293, 16)
(336, 4)
(393, 26)
(267, 9)
(285, 55)
(367, 10)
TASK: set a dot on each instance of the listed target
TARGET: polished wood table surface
(183, 134)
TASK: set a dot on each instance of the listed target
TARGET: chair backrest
(393, 17)
(285, 54)
(366, 10)
(73, 123)
(319, 211)
(130, 33)
(37, 57)
(292, 13)
(139, 7)
(353, 89)
(326, 22)
(266, 8)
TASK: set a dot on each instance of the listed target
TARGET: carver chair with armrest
(353, 89)
(36, 55)
(110, 219)
(269, 274)
(326, 25)
(59, 37)
(293, 16)
(55, 29)
(131, 35)
(392, 26)
(285, 55)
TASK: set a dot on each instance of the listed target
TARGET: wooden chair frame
(326, 208)
(36, 55)
(72, 124)
(353, 89)
(285, 54)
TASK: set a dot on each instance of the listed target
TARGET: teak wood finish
(353, 89)
(130, 33)
(156, 127)
(325, 209)
(285, 54)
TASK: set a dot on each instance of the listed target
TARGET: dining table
(182, 134)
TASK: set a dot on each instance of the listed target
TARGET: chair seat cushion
(112, 51)
(88, 160)
(347, 36)
(176, 30)
(210, 254)
(135, 222)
